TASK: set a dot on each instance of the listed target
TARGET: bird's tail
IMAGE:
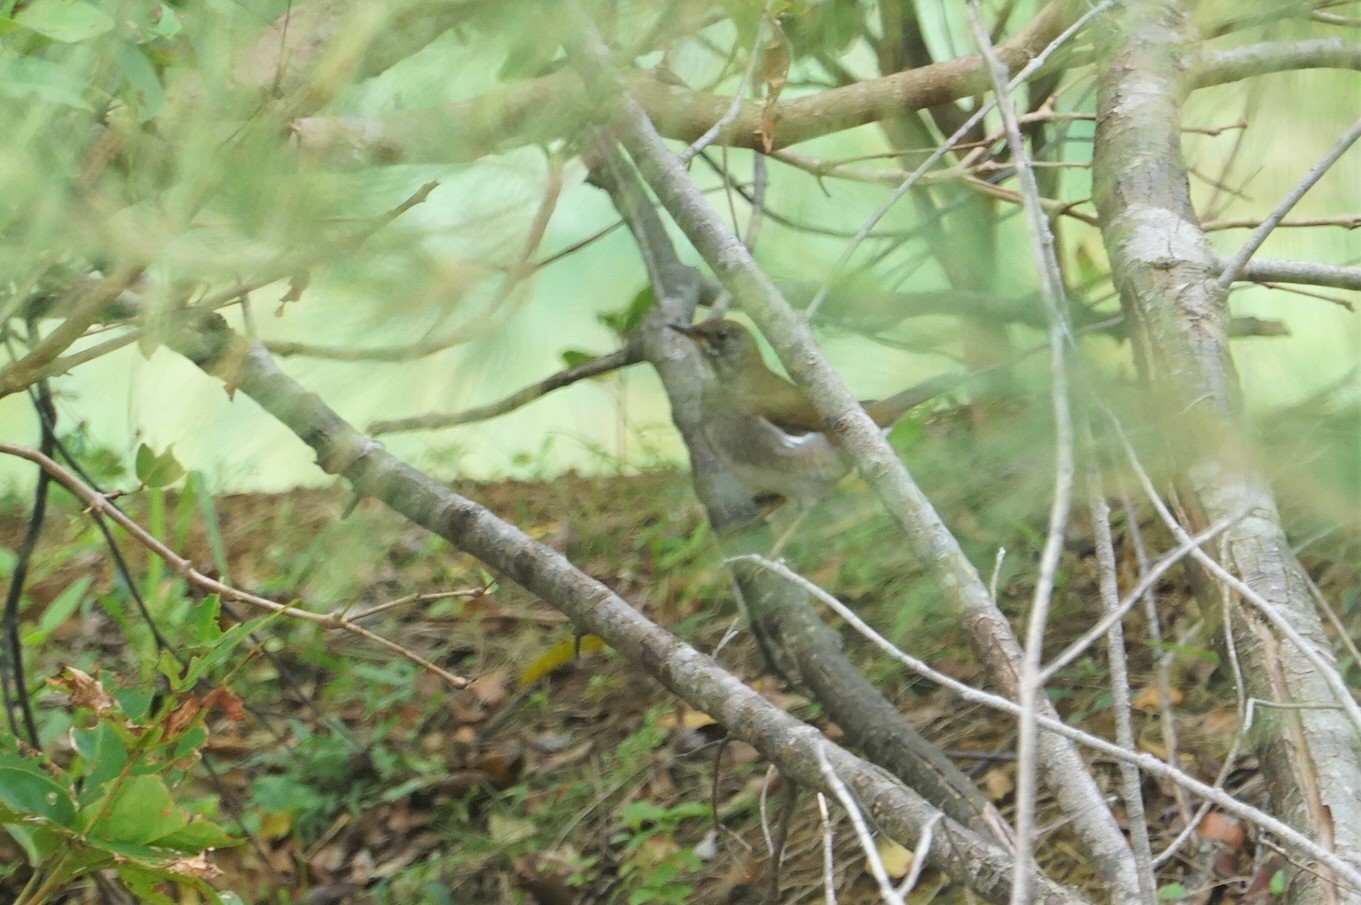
(886, 411)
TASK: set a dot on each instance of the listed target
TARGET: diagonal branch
(631, 354)
(558, 105)
(927, 535)
(962, 854)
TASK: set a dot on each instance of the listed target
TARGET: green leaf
(145, 882)
(105, 757)
(627, 321)
(198, 835)
(26, 792)
(140, 811)
(574, 357)
(58, 611)
(1171, 892)
(223, 648)
(168, 24)
(144, 93)
(157, 469)
(31, 78)
(67, 21)
(201, 622)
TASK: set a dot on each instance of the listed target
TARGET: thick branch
(1219, 67)
(558, 105)
(791, 745)
(1275, 270)
(1065, 772)
(1166, 272)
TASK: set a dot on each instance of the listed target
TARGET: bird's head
(726, 345)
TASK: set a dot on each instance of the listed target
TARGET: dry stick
(828, 852)
(1145, 762)
(1163, 664)
(183, 568)
(862, 831)
(1060, 336)
(1131, 788)
(1189, 546)
(712, 133)
(1326, 672)
(1221, 66)
(895, 177)
(283, 268)
(629, 355)
(1259, 235)
(858, 436)
(1351, 221)
(1305, 293)
(964, 855)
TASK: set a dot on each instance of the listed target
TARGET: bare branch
(1275, 270)
(965, 856)
(558, 105)
(1165, 269)
(1230, 270)
(1352, 221)
(1149, 764)
(1217, 67)
(1116, 866)
(182, 567)
(854, 431)
(629, 355)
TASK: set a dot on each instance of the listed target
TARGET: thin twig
(182, 567)
(712, 133)
(1259, 235)
(1345, 221)
(1146, 762)
(1131, 788)
(897, 195)
(1031, 678)
(1327, 672)
(1274, 270)
(862, 831)
(629, 355)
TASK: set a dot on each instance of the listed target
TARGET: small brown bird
(764, 427)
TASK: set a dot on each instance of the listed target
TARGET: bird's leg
(787, 533)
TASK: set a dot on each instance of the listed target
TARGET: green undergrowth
(310, 759)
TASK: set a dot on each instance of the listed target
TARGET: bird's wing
(782, 404)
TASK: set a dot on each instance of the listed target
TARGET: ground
(563, 774)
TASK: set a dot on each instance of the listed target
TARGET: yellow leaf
(896, 859)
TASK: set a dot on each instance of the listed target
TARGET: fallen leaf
(897, 859)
